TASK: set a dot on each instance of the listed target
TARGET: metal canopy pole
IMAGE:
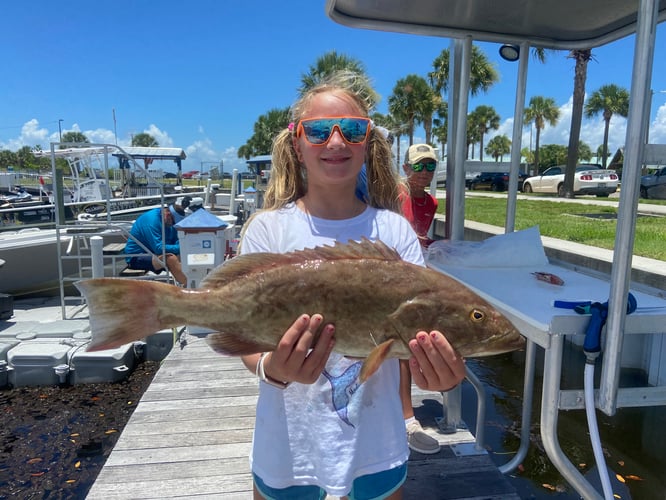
(626, 218)
(518, 113)
(455, 216)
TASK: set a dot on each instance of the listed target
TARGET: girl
(317, 430)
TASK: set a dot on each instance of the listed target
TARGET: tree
(608, 100)
(483, 74)
(74, 136)
(541, 110)
(553, 154)
(582, 57)
(499, 146)
(331, 62)
(485, 119)
(411, 100)
(266, 128)
(144, 140)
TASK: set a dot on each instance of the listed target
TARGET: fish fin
(234, 345)
(112, 305)
(374, 360)
(255, 263)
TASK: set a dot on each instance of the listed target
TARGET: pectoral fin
(235, 345)
(374, 360)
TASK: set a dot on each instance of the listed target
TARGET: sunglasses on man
(430, 166)
(317, 131)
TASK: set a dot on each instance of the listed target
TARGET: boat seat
(132, 273)
(113, 248)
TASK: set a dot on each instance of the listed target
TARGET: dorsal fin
(244, 265)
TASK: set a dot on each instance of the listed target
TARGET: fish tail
(374, 360)
(124, 310)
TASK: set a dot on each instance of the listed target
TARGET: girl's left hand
(435, 365)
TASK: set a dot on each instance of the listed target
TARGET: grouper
(377, 302)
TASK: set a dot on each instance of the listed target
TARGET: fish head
(473, 326)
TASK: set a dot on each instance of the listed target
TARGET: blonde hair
(288, 180)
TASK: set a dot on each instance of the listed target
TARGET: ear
(406, 168)
(297, 147)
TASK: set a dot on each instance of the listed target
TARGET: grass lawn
(593, 225)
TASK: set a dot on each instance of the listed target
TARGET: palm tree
(582, 57)
(485, 118)
(483, 74)
(608, 99)
(74, 136)
(499, 146)
(266, 128)
(541, 110)
(411, 101)
(331, 62)
(144, 140)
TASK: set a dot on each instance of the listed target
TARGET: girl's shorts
(370, 487)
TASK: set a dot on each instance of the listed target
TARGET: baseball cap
(418, 152)
(177, 216)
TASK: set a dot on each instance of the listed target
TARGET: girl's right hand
(295, 359)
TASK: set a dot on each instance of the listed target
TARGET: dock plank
(191, 435)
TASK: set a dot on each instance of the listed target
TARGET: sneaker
(419, 441)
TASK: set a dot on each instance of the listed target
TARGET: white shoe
(419, 441)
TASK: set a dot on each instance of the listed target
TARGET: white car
(589, 179)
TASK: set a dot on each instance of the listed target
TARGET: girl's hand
(435, 365)
(295, 359)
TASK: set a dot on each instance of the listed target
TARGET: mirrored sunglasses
(430, 166)
(318, 131)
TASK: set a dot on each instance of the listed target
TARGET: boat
(36, 240)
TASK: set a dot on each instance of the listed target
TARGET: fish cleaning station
(191, 433)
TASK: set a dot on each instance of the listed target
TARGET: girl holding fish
(319, 430)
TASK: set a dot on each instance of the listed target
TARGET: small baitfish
(377, 301)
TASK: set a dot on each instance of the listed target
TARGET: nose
(336, 139)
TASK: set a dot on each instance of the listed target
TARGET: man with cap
(419, 208)
(147, 230)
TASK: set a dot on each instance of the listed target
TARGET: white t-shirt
(335, 430)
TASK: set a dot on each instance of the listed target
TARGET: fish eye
(476, 315)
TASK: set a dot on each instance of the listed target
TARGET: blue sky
(197, 74)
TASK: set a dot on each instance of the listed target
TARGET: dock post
(97, 257)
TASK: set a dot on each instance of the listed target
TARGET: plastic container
(33, 362)
(109, 365)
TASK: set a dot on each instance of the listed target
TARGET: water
(633, 440)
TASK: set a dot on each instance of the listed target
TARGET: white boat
(92, 193)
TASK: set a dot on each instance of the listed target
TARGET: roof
(556, 24)
(260, 159)
(154, 153)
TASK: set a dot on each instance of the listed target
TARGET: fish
(377, 302)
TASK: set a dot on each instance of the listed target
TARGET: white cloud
(161, 137)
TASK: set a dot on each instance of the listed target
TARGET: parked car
(589, 179)
(494, 181)
(190, 174)
(654, 185)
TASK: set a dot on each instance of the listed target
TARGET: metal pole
(517, 138)
(626, 215)
(463, 48)
(60, 129)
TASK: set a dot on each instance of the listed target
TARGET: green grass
(566, 221)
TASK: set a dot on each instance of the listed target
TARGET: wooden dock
(190, 437)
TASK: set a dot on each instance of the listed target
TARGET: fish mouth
(498, 344)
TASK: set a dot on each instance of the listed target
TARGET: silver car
(589, 179)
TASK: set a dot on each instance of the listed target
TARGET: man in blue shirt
(147, 229)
